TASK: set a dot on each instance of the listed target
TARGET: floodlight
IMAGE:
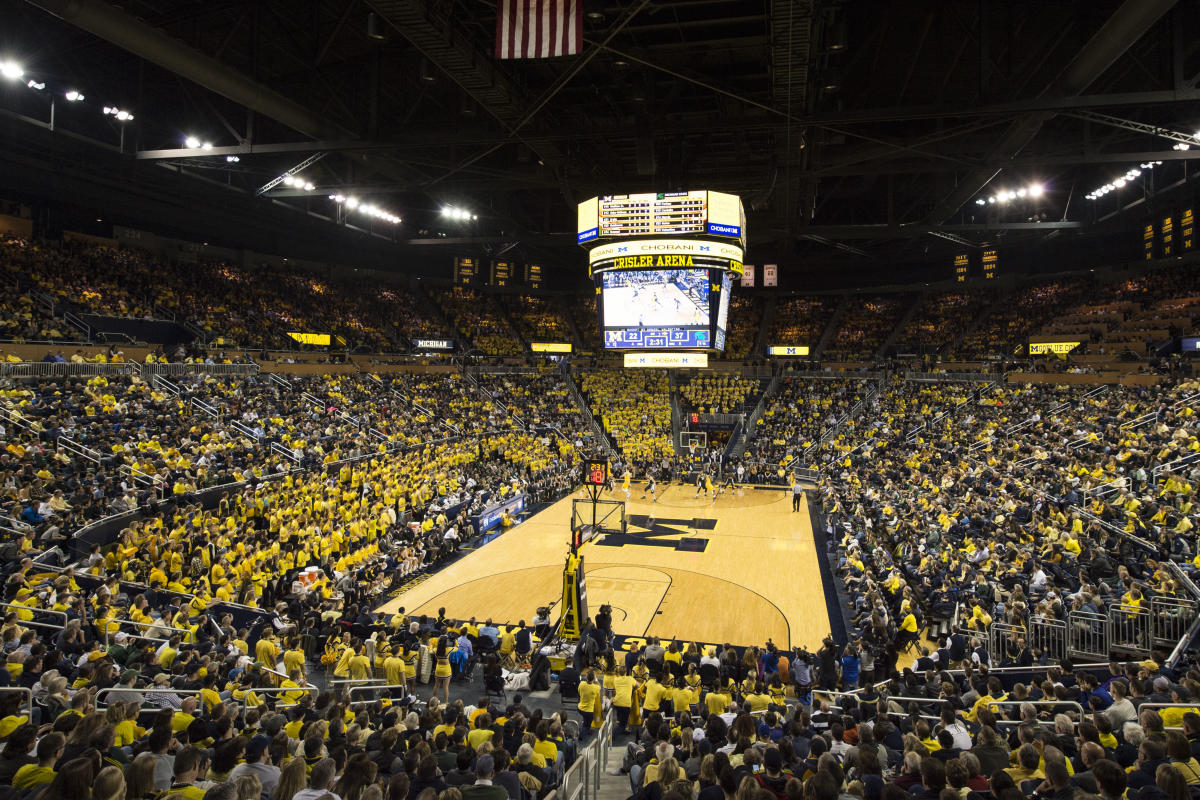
(192, 142)
(11, 70)
(73, 96)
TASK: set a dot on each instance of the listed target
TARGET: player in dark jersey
(651, 487)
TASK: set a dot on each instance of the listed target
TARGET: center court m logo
(645, 531)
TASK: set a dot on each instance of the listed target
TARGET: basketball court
(741, 570)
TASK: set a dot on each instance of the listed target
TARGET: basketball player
(700, 478)
(729, 483)
(651, 487)
(625, 479)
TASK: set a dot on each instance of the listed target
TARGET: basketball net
(692, 448)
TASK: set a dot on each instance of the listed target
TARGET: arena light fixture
(459, 214)
(1033, 190)
(73, 96)
(11, 70)
(351, 202)
(35, 85)
(120, 114)
(232, 159)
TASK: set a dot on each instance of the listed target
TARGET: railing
(160, 381)
(66, 369)
(26, 693)
(137, 476)
(1171, 466)
(214, 370)
(17, 420)
(1151, 416)
(1087, 634)
(1129, 629)
(1170, 619)
(244, 429)
(36, 611)
(950, 377)
(75, 322)
(582, 780)
(1071, 704)
(313, 400)
(286, 452)
(282, 383)
(142, 627)
(1050, 635)
(998, 634)
(205, 408)
(149, 690)
(1193, 707)
(76, 449)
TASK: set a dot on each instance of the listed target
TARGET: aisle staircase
(768, 319)
(565, 310)
(901, 324)
(832, 326)
(676, 415)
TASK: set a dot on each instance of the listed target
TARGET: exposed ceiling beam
(1125, 27)
(127, 32)
(1135, 126)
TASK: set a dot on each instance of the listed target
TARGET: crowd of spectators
(634, 408)
(477, 318)
(538, 319)
(745, 320)
(942, 317)
(865, 326)
(582, 309)
(798, 413)
(720, 393)
(801, 321)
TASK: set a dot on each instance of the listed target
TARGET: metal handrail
(144, 626)
(36, 610)
(28, 693)
(196, 693)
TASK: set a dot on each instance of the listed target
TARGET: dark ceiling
(858, 133)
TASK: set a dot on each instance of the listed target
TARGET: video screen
(656, 298)
(663, 308)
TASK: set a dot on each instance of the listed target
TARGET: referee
(797, 493)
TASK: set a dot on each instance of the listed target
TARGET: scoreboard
(663, 266)
(696, 212)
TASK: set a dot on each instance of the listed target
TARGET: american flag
(538, 28)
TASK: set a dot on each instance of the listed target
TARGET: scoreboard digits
(696, 212)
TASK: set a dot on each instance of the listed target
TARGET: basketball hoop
(692, 448)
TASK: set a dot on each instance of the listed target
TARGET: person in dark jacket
(1151, 753)
(773, 778)
(427, 777)
(991, 753)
